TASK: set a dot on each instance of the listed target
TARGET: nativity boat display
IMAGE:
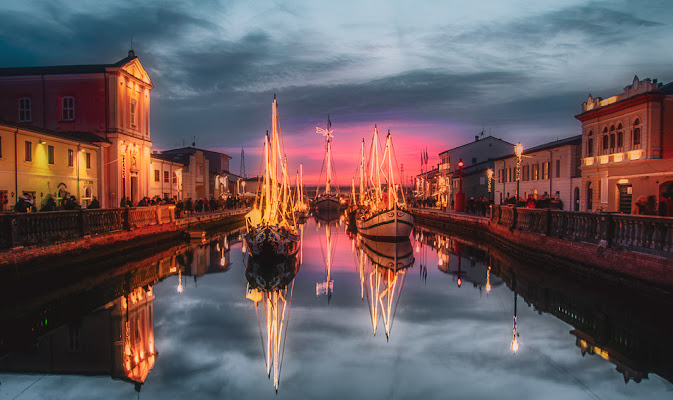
(271, 224)
(382, 213)
(327, 203)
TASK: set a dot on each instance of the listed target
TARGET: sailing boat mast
(362, 173)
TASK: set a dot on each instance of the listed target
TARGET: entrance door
(590, 196)
(134, 189)
(625, 198)
(576, 199)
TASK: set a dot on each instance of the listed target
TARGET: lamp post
(460, 196)
(518, 150)
(489, 175)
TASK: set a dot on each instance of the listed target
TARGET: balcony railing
(19, 229)
(643, 233)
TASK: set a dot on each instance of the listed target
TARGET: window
(545, 170)
(133, 113)
(50, 154)
(166, 177)
(590, 144)
(74, 341)
(156, 175)
(605, 143)
(25, 114)
(636, 133)
(68, 108)
(175, 178)
(524, 173)
(536, 172)
(620, 136)
(198, 169)
(71, 157)
(558, 168)
(28, 151)
(88, 160)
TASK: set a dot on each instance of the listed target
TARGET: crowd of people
(649, 205)
(26, 203)
(188, 206)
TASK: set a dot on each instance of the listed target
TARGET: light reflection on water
(436, 321)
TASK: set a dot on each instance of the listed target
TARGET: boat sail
(272, 286)
(383, 213)
(382, 271)
(327, 203)
(300, 205)
(271, 224)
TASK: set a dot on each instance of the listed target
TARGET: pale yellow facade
(165, 179)
(46, 165)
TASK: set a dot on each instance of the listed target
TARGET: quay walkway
(26, 236)
(633, 249)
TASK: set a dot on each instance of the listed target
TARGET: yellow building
(46, 163)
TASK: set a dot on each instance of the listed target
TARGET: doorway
(134, 189)
(590, 196)
(576, 199)
(625, 198)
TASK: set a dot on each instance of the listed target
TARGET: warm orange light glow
(460, 282)
(489, 173)
(634, 155)
(618, 157)
(518, 149)
(488, 280)
(623, 181)
(589, 161)
(604, 159)
(514, 346)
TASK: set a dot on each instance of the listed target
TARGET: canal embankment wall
(27, 238)
(622, 249)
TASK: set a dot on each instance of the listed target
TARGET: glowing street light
(514, 346)
(518, 150)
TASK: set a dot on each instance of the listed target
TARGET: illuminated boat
(383, 213)
(327, 203)
(271, 224)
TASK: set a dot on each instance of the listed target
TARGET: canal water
(437, 317)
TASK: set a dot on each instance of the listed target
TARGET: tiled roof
(63, 69)
(76, 136)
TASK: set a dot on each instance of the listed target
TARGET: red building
(109, 100)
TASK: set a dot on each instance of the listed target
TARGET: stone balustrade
(25, 229)
(644, 233)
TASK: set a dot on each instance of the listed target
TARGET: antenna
(241, 171)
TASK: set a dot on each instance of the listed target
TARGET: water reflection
(102, 324)
(382, 267)
(578, 336)
(268, 284)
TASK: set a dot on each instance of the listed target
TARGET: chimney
(476, 138)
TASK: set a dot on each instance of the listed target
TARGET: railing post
(515, 216)
(126, 216)
(157, 214)
(83, 222)
(14, 235)
(546, 222)
(605, 229)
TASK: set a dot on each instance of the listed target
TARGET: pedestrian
(639, 207)
(651, 205)
(94, 204)
(22, 205)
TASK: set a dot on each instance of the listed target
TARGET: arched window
(620, 136)
(606, 143)
(612, 139)
(590, 144)
(636, 134)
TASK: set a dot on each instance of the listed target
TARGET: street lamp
(518, 150)
(489, 175)
(460, 196)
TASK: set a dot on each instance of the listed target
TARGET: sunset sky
(436, 73)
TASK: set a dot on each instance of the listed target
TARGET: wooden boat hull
(388, 225)
(269, 276)
(391, 255)
(268, 243)
(328, 203)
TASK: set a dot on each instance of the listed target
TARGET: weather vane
(326, 132)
